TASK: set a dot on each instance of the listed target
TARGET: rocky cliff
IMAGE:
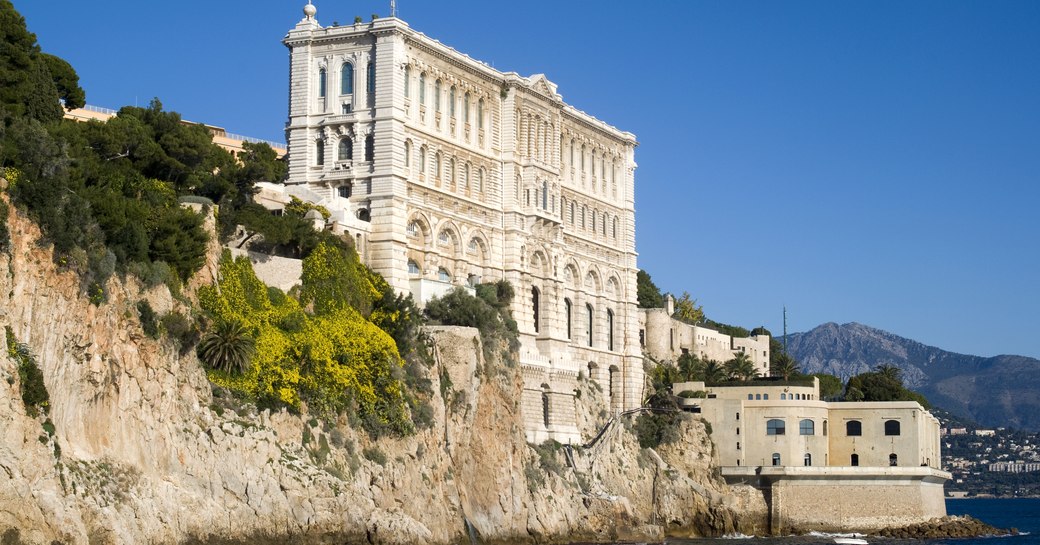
(138, 448)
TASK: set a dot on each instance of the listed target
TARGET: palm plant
(890, 372)
(227, 347)
(784, 366)
(741, 367)
(713, 372)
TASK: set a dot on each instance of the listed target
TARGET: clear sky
(876, 162)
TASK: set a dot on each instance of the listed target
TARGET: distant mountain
(999, 391)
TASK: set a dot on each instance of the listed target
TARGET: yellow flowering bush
(334, 360)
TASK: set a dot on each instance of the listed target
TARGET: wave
(828, 534)
(737, 535)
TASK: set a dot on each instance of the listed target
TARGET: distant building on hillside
(665, 338)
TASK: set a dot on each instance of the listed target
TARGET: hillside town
(997, 462)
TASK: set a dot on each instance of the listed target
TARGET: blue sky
(875, 162)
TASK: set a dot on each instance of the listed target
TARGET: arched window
(806, 427)
(615, 226)
(572, 212)
(891, 427)
(407, 81)
(807, 459)
(853, 428)
(413, 229)
(320, 149)
(451, 102)
(776, 458)
(370, 148)
(583, 159)
(765, 397)
(535, 305)
(567, 310)
(751, 397)
(545, 405)
(422, 160)
(346, 149)
(480, 181)
(855, 459)
(588, 312)
(465, 108)
(758, 397)
(422, 88)
(371, 81)
(344, 190)
(571, 162)
(775, 426)
(783, 397)
(480, 114)
(437, 96)
(443, 275)
(610, 330)
(346, 79)
(322, 81)
(465, 178)
(364, 214)
(407, 154)
(437, 165)
(545, 194)
(413, 268)
(451, 173)
(893, 460)
(825, 428)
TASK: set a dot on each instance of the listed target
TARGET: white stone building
(448, 172)
(825, 465)
(665, 339)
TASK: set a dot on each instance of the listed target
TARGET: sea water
(1023, 514)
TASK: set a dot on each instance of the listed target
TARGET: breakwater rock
(953, 526)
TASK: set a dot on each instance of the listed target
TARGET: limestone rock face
(142, 450)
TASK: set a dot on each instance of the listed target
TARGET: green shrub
(375, 455)
(149, 320)
(34, 391)
(691, 394)
(181, 330)
(5, 235)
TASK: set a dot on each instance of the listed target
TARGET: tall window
(451, 102)
(480, 181)
(893, 460)
(588, 312)
(322, 80)
(407, 154)
(346, 75)
(422, 160)
(806, 427)
(465, 108)
(320, 149)
(371, 80)
(370, 148)
(545, 195)
(443, 275)
(891, 427)
(465, 178)
(775, 426)
(825, 428)
(480, 114)
(853, 428)
(422, 88)
(535, 303)
(407, 81)
(610, 330)
(567, 311)
(776, 458)
(437, 96)
(451, 172)
(346, 149)
(855, 459)
(413, 268)
(437, 165)
(807, 460)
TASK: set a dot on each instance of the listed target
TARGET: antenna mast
(785, 329)
(393, 8)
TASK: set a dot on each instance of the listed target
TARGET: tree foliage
(687, 309)
(228, 347)
(741, 367)
(647, 293)
(883, 384)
